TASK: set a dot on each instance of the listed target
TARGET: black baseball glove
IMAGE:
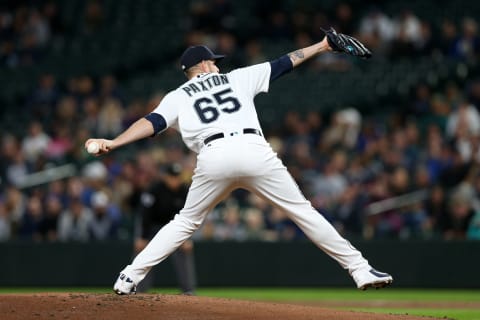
(340, 42)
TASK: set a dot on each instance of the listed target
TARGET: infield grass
(466, 302)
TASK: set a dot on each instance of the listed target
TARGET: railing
(46, 176)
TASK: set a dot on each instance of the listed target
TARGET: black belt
(222, 135)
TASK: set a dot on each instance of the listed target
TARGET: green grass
(458, 314)
(348, 297)
(308, 294)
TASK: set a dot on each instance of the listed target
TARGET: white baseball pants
(243, 161)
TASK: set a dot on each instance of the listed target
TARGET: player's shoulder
(173, 95)
(256, 68)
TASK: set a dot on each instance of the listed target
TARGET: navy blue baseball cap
(197, 54)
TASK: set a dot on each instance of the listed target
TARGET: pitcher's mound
(76, 306)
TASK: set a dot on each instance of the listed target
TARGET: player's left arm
(287, 62)
(299, 56)
(333, 41)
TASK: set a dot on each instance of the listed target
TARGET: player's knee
(189, 223)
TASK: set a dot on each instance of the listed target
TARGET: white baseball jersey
(211, 103)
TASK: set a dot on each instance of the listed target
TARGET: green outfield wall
(434, 264)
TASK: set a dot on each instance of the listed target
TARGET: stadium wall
(431, 264)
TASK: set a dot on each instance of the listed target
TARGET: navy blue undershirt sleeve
(158, 122)
(280, 66)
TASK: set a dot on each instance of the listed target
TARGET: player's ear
(201, 65)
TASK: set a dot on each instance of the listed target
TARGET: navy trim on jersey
(158, 122)
(280, 66)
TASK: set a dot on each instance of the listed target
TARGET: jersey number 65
(208, 110)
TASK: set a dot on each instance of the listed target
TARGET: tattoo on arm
(296, 55)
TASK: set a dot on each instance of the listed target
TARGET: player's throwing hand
(98, 146)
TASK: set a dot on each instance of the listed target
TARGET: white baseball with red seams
(211, 104)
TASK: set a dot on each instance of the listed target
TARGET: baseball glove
(340, 42)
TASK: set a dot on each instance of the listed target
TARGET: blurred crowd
(348, 164)
(29, 27)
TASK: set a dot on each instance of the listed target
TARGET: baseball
(93, 148)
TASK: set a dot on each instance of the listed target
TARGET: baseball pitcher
(216, 116)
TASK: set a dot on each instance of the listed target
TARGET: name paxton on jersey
(205, 84)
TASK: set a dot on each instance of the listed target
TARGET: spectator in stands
(436, 209)
(377, 30)
(284, 229)
(51, 14)
(255, 225)
(95, 178)
(90, 111)
(408, 34)
(9, 149)
(421, 102)
(15, 205)
(473, 92)
(30, 223)
(43, 98)
(74, 222)
(66, 113)
(343, 130)
(440, 111)
(101, 226)
(110, 118)
(37, 26)
(425, 44)
(277, 27)
(93, 17)
(437, 156)
(253, 52)
(5, 223)
(49, 223)
(231, 226)
(467, 46)
(473, 231)
(109, 89)
(332, 183)
(459, 215)
(17, 169)
(226, 42)
(448, 37)
(463, 127)
(464, 120)
(60, 144)
(348, 211)
(35, 143)
(344, 19)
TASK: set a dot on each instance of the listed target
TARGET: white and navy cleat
(371, 278)
(124, 285)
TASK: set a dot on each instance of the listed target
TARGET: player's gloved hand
(340, 42)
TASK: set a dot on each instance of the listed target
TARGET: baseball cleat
(124, 285)
(371, 278)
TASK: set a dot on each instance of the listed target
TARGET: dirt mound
(75, 306)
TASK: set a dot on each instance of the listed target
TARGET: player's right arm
(164, 116)
(140, 129)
